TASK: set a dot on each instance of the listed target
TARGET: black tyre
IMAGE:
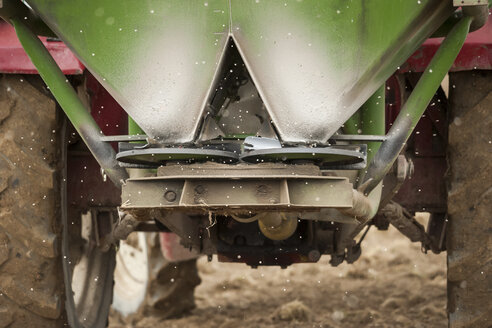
(469, 235)
(41, 249)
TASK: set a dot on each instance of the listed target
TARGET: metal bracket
(402, 170)
(461, 3)
(103, 221)
(358, 137)
(124, 138)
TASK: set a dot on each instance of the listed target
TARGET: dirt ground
(393, 284)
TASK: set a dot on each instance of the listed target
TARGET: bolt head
(170, 196)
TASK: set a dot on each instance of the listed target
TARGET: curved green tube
(416, 104)
(66, 96)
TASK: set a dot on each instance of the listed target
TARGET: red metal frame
(426, 148)
(107, 113)
(86, 187)
(14, 60)
(475, 54)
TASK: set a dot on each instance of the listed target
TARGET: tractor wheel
(43, 253)
(469, 241)
(148, 284)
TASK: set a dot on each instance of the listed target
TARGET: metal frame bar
(416, 104)
(341, 137)
(124, 138)
(373, 119)
(237, 193)
(370, 120)
(359, 137)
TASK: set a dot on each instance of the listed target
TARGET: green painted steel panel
(317, 62)
(156, 58)
(314, 62)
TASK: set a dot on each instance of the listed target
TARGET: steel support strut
(368, 120)
(66, 96)
(416, 104)
(372, 119)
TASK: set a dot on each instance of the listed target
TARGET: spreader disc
(158, 156)
(333, 156)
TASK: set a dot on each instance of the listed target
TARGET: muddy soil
(392, 285)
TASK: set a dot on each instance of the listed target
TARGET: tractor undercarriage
(279, 206)
(259, 132)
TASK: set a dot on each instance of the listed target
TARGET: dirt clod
(293, 311)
